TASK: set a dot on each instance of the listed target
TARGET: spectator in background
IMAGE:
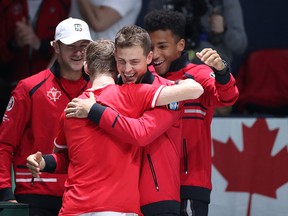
(27, 27)
(106, 18)
(30, 118)
(222, 29)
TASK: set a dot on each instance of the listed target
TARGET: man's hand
(25, 35)
(35, 164)
(211, 58)
(217, 23)
(79, 108)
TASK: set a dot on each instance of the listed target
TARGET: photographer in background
(222, 29)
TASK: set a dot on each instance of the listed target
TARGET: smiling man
(166, 29)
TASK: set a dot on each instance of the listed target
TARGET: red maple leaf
(254, 170)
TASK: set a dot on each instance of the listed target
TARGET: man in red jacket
(33, 111)
(166, 29)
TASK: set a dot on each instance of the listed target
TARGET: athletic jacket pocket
(153, 172)
(185, 157)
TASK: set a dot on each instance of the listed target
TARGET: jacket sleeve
(60, 159)
(14, 122)
(226, 89)
(226, 92)
(219, 88)
(141, 131)
(57, 162)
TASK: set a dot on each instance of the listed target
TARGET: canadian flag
(250, 167)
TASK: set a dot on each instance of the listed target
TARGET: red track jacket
(196, 160)
(159, 179)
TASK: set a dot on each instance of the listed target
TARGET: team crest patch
(78, 27)
(173, 106)
(54, 94)
(10, 104)
(212, 74)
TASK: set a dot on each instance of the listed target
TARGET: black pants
(42, 212)
(41, 205)
(194, 208)
(166, 214)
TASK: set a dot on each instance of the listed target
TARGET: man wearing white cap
(31, 117)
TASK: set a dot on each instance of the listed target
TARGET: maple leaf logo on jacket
(254, 170)
(54, 94)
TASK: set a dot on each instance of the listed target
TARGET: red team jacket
(103, 172)
(159, 181)
(29, 61)
(30, 125)
(196, 161)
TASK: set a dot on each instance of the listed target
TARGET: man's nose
(155, 53)
(128, 67)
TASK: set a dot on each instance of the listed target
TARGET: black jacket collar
(148, 78)
(179, 63)
(55, 69)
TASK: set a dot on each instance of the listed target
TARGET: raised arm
(100, 17)
(223, 87)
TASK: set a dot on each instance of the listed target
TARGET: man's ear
(181, 45)
(55, 46)
(86, 68)
(149, 57)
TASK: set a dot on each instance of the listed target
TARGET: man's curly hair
(166, 20)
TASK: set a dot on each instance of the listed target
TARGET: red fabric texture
(262, 79)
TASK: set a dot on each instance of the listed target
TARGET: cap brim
(73, 39)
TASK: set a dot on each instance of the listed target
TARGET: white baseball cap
(71, 30)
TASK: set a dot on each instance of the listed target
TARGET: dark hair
(166, 20)
(133, 35)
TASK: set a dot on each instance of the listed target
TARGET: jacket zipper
(153, 172)
(185, 157)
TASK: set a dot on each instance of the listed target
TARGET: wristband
(225, 69)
